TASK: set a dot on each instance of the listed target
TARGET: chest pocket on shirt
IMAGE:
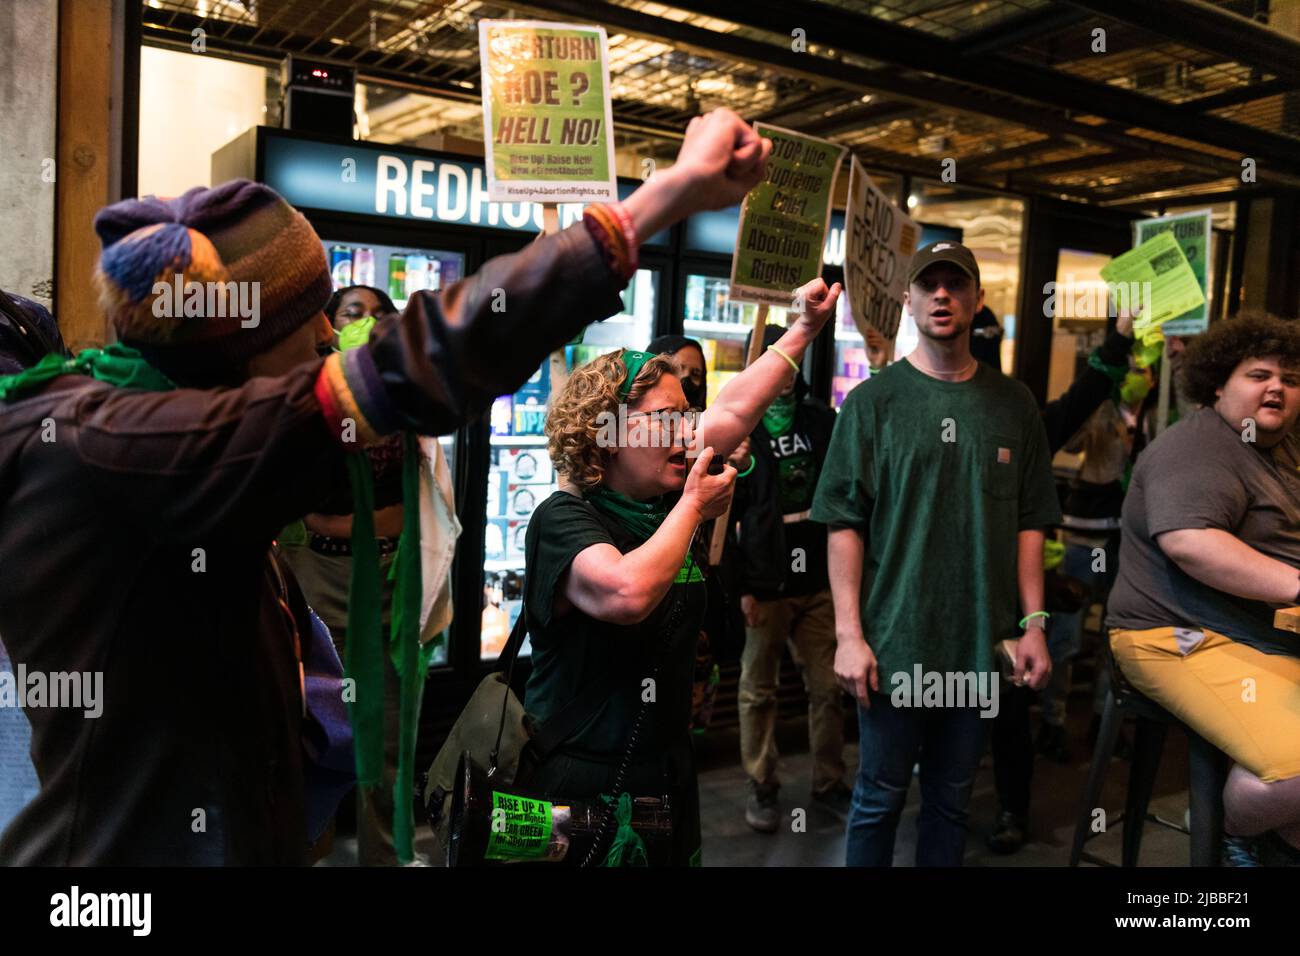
(1000, 464)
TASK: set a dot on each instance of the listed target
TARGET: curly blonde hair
(575, 417)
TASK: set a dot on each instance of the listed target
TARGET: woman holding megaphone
(614, 590)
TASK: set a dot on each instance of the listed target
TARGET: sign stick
(720, 525)
(559, 370)
(1162, 404)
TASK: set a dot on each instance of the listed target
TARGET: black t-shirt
(571, 652)
(797, 463)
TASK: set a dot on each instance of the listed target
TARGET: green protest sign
(783, 219)
(520, 828)
(547, 124)
(1193, 232)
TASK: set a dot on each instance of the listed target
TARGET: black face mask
(694, 393)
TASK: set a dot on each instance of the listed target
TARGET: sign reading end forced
(547, 123)
(880, 240)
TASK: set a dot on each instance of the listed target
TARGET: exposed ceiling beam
(1204, 25)
(272, 47)
(942, 96)
(1077, 164)
(876, 39)
(818, 100)
(1015, 30)
(1237, 95)
(862, 117)
(1015, 152)
(1147, 200)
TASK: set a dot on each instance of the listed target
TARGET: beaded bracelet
(611, 228)
(1043, 614)
(629, 235)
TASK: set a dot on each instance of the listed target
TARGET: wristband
(1029, 617)
(793, 364)
(753, 461)
(629, 236)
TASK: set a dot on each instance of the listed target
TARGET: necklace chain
(936, 372)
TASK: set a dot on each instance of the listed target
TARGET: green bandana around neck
(641, 518)
(779, 417)
(117, 364)
(634, 361)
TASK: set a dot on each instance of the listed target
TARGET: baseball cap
(945, 250)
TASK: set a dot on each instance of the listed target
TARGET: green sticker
(695, 573)
(520, 828)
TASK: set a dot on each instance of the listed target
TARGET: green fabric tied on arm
(627, 848)
(365, 647)
(117, 364)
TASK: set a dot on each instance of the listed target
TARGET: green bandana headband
(634, 361)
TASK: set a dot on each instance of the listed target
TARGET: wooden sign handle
(720, 525)
(558, 368)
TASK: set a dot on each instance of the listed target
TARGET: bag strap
(565, 722)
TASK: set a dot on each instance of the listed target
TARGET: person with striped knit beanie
(147, 480)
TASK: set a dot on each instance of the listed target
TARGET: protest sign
(1193, 232)
(1155, 275)
(547, 124)
(783, 219)
(880, 242)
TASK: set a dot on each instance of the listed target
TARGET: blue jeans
(948, 743)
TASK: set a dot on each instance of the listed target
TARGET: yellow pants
(1245, 702)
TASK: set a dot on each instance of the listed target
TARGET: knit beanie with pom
(201, 283)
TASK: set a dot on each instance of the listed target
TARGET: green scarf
(779, 417)
(117, 364)
(641, 518)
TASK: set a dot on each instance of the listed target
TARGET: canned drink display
(340, 266)
(363, 267)
(397, 277)
(417, 273)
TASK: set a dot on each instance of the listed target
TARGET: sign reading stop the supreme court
(783, 219)
(547, 123)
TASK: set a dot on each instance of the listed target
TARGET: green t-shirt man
(939, 478)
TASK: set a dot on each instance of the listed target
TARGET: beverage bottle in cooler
(396, 277)
(340, 266)
(417, 273)
(363, 267)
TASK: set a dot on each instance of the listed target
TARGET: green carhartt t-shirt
(939, 477)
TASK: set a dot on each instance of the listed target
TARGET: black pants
(1013, 749)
